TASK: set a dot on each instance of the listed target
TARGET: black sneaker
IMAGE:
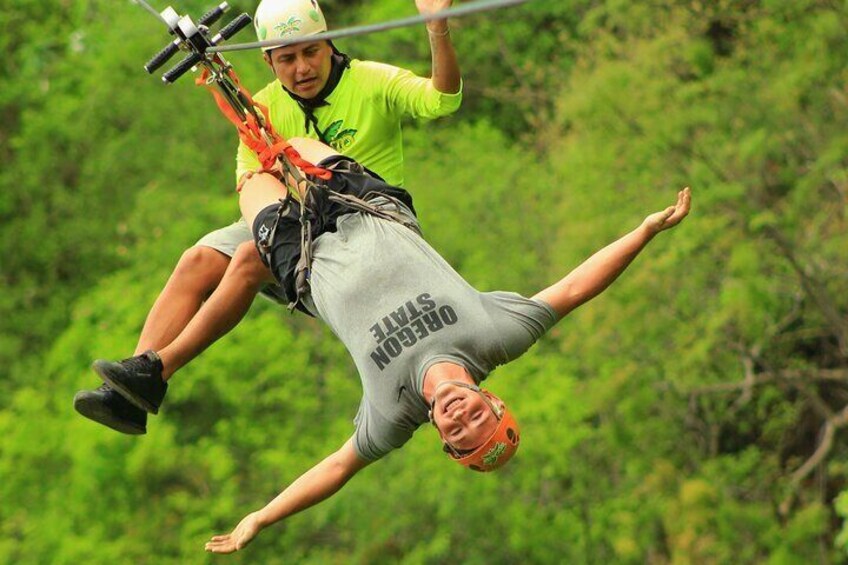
(107, 407)
(138, 379)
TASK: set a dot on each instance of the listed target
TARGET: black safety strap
(304, 263)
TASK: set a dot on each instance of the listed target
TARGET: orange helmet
(498, 448)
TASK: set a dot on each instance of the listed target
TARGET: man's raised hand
(671, 216)
(426, 7)
(431, 6)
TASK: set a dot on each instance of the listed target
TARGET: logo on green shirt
(340, 139)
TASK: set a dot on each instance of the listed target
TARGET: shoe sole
(105, 370)
(93, 410)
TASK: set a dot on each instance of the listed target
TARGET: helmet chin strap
(495, 410)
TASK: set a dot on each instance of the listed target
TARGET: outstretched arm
(320, 482)
(599, 271)
(445, 74)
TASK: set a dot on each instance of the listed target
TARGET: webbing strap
(304, 262)
(362, 205)
(255, 129)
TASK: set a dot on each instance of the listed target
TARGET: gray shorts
(226, 240)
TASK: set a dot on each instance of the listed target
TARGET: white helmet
(288, 19)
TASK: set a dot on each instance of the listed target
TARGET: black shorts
(282, 255)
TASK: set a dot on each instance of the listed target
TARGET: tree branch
(815, 290)
(787, 375)
(829, 428)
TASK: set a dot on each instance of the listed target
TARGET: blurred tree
(695, 413)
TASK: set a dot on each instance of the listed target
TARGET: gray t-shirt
(399, 308)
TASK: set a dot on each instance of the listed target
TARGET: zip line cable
(150, 9)
(459, 11)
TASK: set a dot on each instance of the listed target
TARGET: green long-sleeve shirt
(363, 117)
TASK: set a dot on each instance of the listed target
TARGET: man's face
(304, 68)
(463, 416)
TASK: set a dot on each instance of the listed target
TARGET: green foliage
(670, 421)
(506, 57)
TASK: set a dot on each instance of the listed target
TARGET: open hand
(671, 216)
(431, 6)
(238, 538)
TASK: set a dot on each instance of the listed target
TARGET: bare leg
(197, 327)
(181, 325)
(224, 309)
(262, 190)
(196, 275)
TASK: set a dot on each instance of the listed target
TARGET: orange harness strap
(262, 139)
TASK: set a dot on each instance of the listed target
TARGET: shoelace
(139, 364)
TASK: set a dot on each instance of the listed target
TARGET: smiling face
(463, 416)
(302, 69)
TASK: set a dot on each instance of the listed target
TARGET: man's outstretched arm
(320, 482)
(599, 271)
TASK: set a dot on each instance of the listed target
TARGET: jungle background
(695, 413)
